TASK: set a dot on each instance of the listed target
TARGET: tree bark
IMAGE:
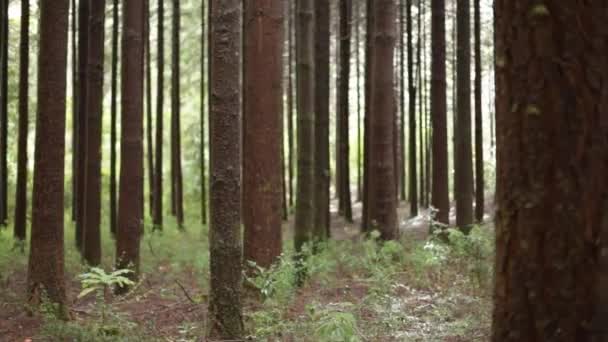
(4, 118)
(382, 196)
(321, 112)
(225, 307)
(343, 110)
(412, 115)
(24, 62)
(479, 164)
(176, 149)
(130, 205)
(158, 164)
(94, 108)
(262, 117)
(46, 268)
(305, 75)
(440, 199)
(551, 223)
(113, 119)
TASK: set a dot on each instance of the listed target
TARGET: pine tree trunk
(225, 307)
(148, 106)
(479, 164)
(113, 119)
(290, 101)
(412, 115)
(382, 194)
(204, 112)
(402, 106)
(343, 109)
(83, 46)
(130, 205)
(463, 152)
(551, 224)
(75, 123)
(368, 107)
(321, 97)
(4, 119)
(160, 86)
(262, 185)
(24, 62)
(440, 199)
(356, 21)
(305, 75)
(45, 268)
(176, 149)
(94, 109)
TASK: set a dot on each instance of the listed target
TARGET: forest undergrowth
(359, 289)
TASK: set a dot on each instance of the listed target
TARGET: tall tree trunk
(321, 113)
(160, 85)
(368, 107)
(130, 205)
(24, 62)
(148, 106)
(412, 114)
(4, 119)
(305, 74)
(204, 112)
(343, 109)
(402, 91)
(262, 117)
(382, 194)
(552, 192)
(225, 307)
(113, 119)
(75, 123)
(463, 152)
(356, 21)
(420, 75)
(176, 149)
(92, 199)
(440, 198)
(479, 169)
(45, 268)
(83, 46)
(290, 101)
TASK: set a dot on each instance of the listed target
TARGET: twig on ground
(185, 292)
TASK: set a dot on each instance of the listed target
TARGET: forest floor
(416, 289)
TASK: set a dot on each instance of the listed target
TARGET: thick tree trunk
(321, 112)
(176, 149)
(225, 307)
(551, 224)
(130, 205)
(479, 164)
(24, 62)
(463, 152)
(262, 185)
(157, 218)
(46, 271)
(343, 110)
(83, 46)
(113, 119)
(94, 107)
(440, 199)
(412, 115)
(382, 194)
(305, 74)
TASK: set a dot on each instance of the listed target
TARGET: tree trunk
(368, 107)
(158, 173)
(21, 190)
(440, 198)
(83, 46)
(149, 128)
(262, 186)
(92, 199)
(479, 165)
(305, 74)
(225, 307)
(552, 193)
(290, 102)
(204, 112)
(356, 21)
(4, 118)
(343, 109)
(45, 270)
(412, 115)
(402, 91)
(463, 152)
(130, 205)
(74, 31)
(382, 194)
(113, 119)
(176, 149)
(321, 112)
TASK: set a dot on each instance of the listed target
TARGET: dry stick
(185, 291)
